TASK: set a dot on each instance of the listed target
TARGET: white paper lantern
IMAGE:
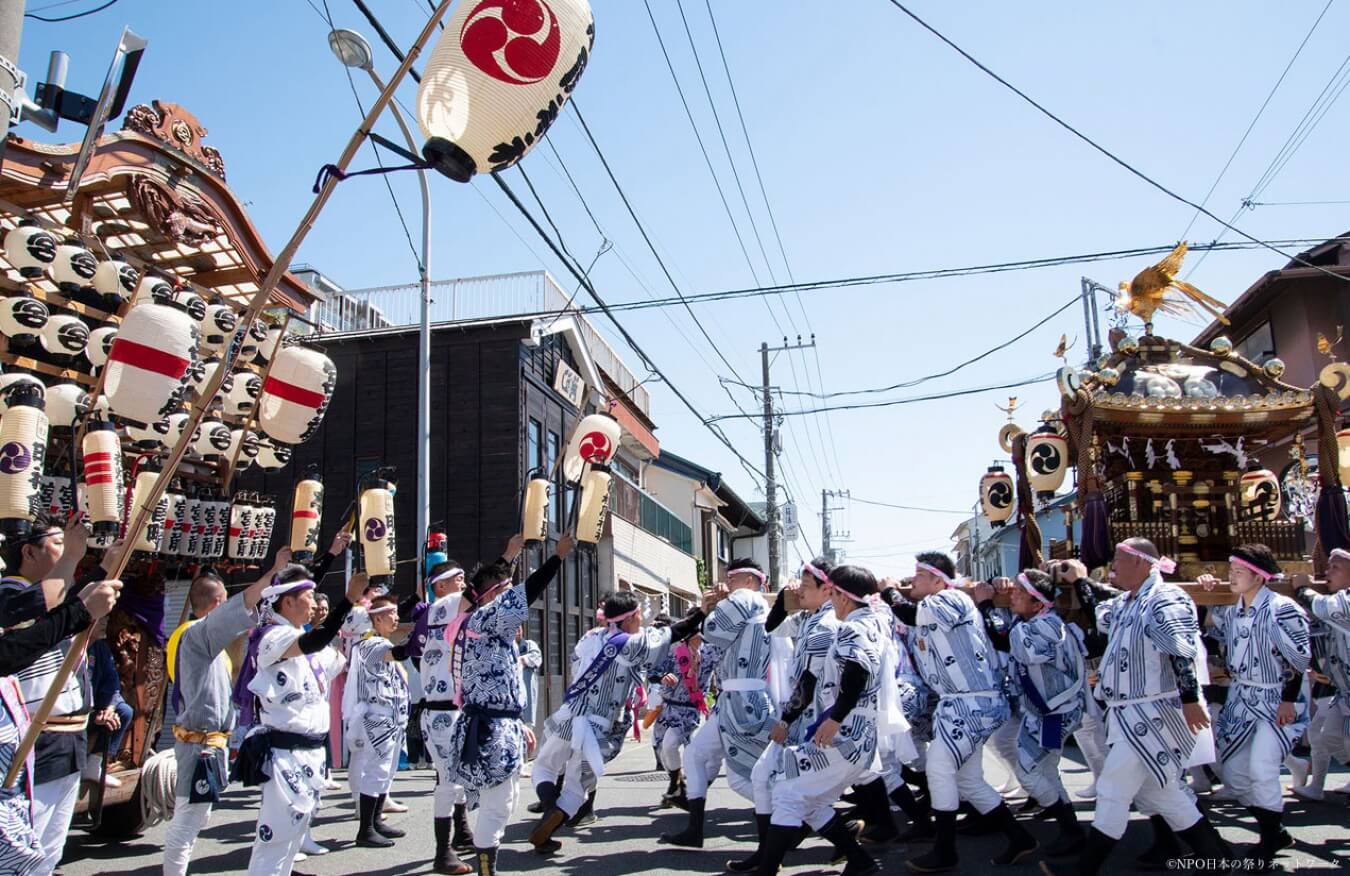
(74, 268)
(192, 304)
(212, 439)
(22, 318)
(306, 515)
(102, 494)
(173, 429)
(296, 394)
(265, 521)
(1047, 459)
(148, 538)
(31, 249)
(272, 456)
(497, 78)
(253, 341)
(595, 440)
(149, 359)
(243, 394)
(218, 528)
(377, 531)
(534, 519)
(594, 501)
(246, 443)
(171, 537)
(997, 496)
(219, 324)
(116, 278)
(65, 335)
(57, 497)
(153, 289)
(146, 437)
(268, 348)
(100, 345)
(8, 382)
(66, 403)
(194, 526)
(23, 449)
(1259, 493)
(241, 526)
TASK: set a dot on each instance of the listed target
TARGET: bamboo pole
(252, 417)
(198, 410)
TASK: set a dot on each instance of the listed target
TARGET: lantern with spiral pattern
(997, 496)
(595, 440)
(1047, 461)
(23, 449)
(377, 531)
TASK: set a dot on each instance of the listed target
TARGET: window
(723, 545)
(626, 468)
(533, 457)
(1259, 345)
(555, 507)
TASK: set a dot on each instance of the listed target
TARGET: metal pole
(11, 30)
(825, 523)
(770, 488)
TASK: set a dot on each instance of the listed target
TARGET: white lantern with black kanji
(595, 440)
(23, 449)
(1047, 461)
(11, 381)
(295, 394)
(171, 537)
(997, 496)
(306, 515)
(22, 318)
(1259, 494)
(73, 268)
(149, 359)
(66, 403)
(595, 484)
(243, 394)
(116, 279)
(147, 539)
(56, 497)
(217, 529)
(497, 78)
(103, 477)
(241, 527)
(534, 518)
(193, 525)
(31, 249)
(377, 531)
(212, 439)
(154, 289)
(100, 345)
(264, 523)
(272, 456)
(64, 336)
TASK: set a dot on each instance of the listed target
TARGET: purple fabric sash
(608, 652)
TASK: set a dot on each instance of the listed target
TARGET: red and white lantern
(100, 345)
(116, 278)
(377, 531)
(23, 449)
(171, 539)
(296, 394)
(64, 336)
(102, 492)
(997, 496)
(595, 440)
(217, 530)
(193, 526)
(497, 78)
(306, 515)
(149, 359)
(22, 318)
(241, 529)
(594, 501)
(265, 521)
(56, 497)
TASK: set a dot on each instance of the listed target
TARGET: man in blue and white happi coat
(1329, 732)
(681, 706)
(958, 663)
(587, 730)
(1265, 639)
(841, 745)
(1148, 681)
(739, 652)
(489, 741)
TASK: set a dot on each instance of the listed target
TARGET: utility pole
(11, 29)
(1091, 327)
(770, 434)
(827, 534)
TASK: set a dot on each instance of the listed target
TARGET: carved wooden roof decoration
(154, 194)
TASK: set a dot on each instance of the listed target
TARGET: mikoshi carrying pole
(280, 264)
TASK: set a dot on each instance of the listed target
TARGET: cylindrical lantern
(595, 440)
(1343, 455)
(268, 348)
(594, 500)
(217, 529)
(23, 448)
(100, 345)
(74, 267)
(218, 325)
(212, 440)
(30, 248)
(534, 520)
(57, 497)
(264, 523)
(22, 318)
(171, 539)
(377, 531)
(103, 477)
(149, 358)
(116, 278)
(148, 538)
(9, 382)
(296, 394)
(497, 78)
(246, 443)
(66, 403)
(1047, 461)
(272, 456)
(996, 496)
(1259, 494)
(65, 335)
(153, 289)
(241, 526)
(193, 525)
(243, 394)
(192, 304)
(306, 514)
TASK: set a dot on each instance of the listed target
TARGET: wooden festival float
(118, 303)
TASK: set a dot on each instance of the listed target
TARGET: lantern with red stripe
(497, 78)
(30, 248)
(306, 514)
(189, 538)
(23, 449)
(56, 497)
(296, 394)
(115, 279)
(272, 456)
(595, 484)
(377, 531)
(217, 527)
(148, 537)
(22, 318)
(148, 361)
(241, 528)
(595, 440)
(243, 394)
(100, 345)
(74, 268)
(64, 336)
(103, 477)
(175, 507)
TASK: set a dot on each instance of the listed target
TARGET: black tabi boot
(1070, 839)
(672, 789)
(1274, 838)
(385, 828)
(919, 813)
(542, 835)
(917, 778)
(1205, 841)
(586, 814)
(751, 864)
(1029, 807)
(692, 835)
(1165, 847)
(366, 835)
(1020, 843)
(681, 798)
(463, 837)
(547, 792)
(487, 861)
(943, 856)
(775, 843)
(875, 810)
(975, 824)
(446, 860)
(840, 833)
(1096, 849)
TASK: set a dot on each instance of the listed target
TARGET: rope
(159, 778)
(1031, 556)
(334, 172)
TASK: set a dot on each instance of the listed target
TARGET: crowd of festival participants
(823, 706)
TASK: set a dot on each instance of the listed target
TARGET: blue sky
(881, 150)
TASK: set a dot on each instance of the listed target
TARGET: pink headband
(1166, 565)
(936, 571)
(1030, 588)
(1254, 569)
(749, 571)
(861, 600)
(815, 573)
(1339, 554)
(614, 621)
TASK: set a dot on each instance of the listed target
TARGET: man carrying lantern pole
(580, 732)
(201, 697)
(1329, 733)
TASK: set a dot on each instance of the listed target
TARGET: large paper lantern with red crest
(497, 79)
(149, 358)
(295, 394)
(595, 440)
(23, 449)
(997, 496)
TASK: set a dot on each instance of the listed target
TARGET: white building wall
(650, 563)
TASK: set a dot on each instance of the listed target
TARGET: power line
(67, 17)
(1103, 150)
(1311, 119)
(1255, 204)
(908, 507)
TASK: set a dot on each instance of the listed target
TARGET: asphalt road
(623, 841)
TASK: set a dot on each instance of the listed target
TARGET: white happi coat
(1136, 678)
(1332, 612)
(736, 648)
(955, 657)
(438, 685)
(375, 709)
(1263, 644)
(1051, 654)
(812, 634)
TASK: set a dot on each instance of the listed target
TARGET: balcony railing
(628, 501)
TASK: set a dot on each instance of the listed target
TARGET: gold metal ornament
(1148, 292)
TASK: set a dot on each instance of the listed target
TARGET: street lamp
(354, 51)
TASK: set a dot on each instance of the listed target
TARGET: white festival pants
(760, 777)
(949, 784)
(1125, 780)
(1043, 783)
(437, 726)
(371, 769)
(286, 811)
(809, 797)
(1003, 743)
(671, 751)
(1091, 737)
(189, 819)
(53, 807)
(556, 758)
(495, 805)
(1253, 773)
(703, 760)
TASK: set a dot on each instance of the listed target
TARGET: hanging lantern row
(251, 520)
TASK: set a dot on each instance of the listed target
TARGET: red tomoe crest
(513, 41)
(594, 447)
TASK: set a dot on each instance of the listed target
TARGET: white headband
(449, 573)
(273, 592)
(383, 609)
(1339, 554)
(935, 571)
(1030, 588)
